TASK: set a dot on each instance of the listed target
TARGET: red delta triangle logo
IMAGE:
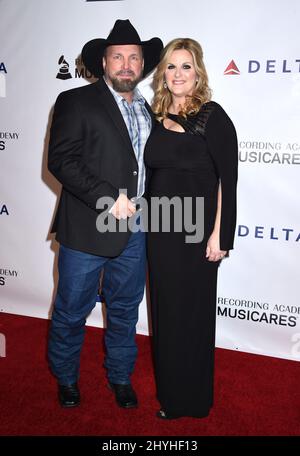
(232, 69)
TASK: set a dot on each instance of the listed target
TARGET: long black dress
(182, 281)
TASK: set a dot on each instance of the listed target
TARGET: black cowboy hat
(123, 32)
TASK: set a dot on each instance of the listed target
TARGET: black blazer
(91, 155)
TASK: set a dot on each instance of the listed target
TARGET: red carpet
(254, 395)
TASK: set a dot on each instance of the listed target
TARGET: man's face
(123, 66)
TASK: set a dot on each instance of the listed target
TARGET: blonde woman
(191, 153)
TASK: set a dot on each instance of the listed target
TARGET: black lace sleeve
(222, 144)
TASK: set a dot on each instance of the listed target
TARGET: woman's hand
(213, 252)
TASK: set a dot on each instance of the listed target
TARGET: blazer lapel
(114, 113)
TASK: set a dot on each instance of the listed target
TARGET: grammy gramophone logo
(63, 72)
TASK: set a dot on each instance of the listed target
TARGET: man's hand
(123, 207)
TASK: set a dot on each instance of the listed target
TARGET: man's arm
(65, 154)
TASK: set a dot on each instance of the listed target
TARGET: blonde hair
(162, 96)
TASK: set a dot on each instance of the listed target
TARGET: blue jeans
(123, 288)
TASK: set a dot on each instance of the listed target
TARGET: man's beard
(124, 85)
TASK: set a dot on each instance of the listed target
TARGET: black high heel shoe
(165, 416)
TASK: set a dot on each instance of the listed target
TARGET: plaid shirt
(138, 122)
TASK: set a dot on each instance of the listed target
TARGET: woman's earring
(197, 80)
(165, 85)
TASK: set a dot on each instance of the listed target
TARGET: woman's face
(180, 74)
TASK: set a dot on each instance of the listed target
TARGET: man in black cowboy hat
(96, 148)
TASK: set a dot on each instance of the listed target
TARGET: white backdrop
(258, 293)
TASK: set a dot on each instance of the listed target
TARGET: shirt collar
(137, 96)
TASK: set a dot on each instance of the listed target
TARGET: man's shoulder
(83, 91)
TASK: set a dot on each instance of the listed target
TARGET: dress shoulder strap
(196, 124)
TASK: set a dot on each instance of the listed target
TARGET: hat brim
(93, 51)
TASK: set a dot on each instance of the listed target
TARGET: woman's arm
(213, 251)
(222, 145)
